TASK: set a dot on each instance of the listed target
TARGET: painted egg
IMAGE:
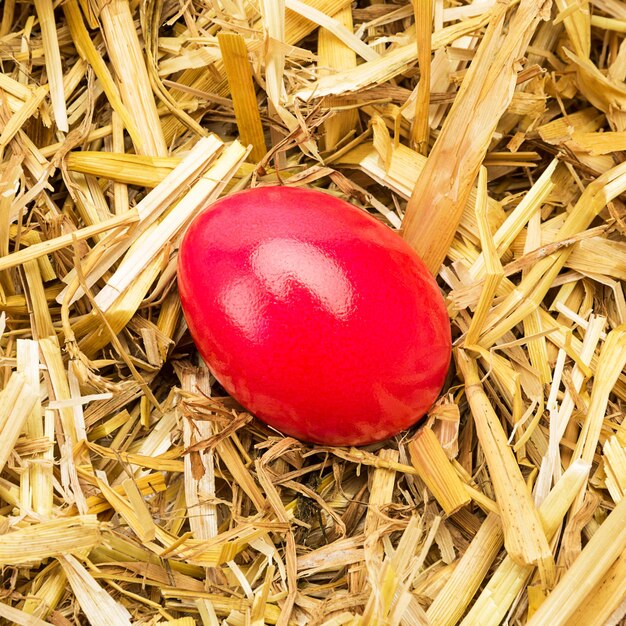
(316, 317)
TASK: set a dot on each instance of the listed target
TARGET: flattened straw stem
(605, 598)
(7, 17)
(453, 599)
(443, 187)
(435, 469)
(45, 12)
(610, 365)
(604, 547)
(335, 54)
(524, 537)
(126, 56)
(420, 131)
(510, 578)
(239, 74)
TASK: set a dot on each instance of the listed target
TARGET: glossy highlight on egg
(316, 317)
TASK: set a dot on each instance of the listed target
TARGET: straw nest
(492, 133)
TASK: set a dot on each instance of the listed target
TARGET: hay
(490, 134)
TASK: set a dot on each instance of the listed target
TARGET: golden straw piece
(17, 400)
(435, 469)
(45, 12)
(97, 604)
(526, 296)
(442, 189)
(420, 130)
(87, 49)
(470, 571)
(605, 598)
(510, 577)
(610, 365)
(493, 272)
(334, 54)
(128, 62)
(603, 549)
(239, 73)
(40, 541)
(524, 538)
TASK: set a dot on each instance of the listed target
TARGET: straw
(524, 539)
(235, 56)
(449, 173)
(598, 555)
(134, 489)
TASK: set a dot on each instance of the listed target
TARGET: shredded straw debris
(490, 134)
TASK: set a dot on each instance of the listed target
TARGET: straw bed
(491, 135)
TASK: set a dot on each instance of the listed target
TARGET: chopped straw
(239, 73)
(491, 135)
(435, 469)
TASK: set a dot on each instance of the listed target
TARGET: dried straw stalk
(435, 208)
(524, 538)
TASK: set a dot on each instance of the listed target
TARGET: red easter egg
(317, 318)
